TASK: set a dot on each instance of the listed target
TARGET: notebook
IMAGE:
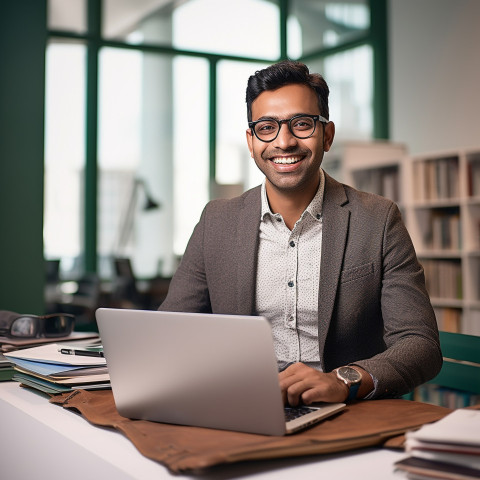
(205, 370)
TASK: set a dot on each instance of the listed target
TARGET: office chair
(461, 362)
(461, 366)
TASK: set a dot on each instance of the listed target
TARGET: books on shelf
(445, 397)
(443, 278)
(473, 177)
(445, 231)
(436, 179)
(449, 319)
(382, 181)
(447, 449)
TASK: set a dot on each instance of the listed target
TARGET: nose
(285, 138)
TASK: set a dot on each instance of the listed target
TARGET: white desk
(42, 440)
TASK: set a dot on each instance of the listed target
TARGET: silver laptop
(204, 370)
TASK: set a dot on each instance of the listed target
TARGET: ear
(329, 133)
(250, 140)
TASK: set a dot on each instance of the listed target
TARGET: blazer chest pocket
(356, 272)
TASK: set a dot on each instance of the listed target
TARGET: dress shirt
(288, 278)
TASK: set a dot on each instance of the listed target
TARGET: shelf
(446, 302)
(473, 201)
(439, 203)
(439, 254)
(440, 196)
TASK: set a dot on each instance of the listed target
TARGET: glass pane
(350, 77)
(215, 26)
(138, 21)
(234, 164)
(64, 152)
(316, 24)
(191, 146)
(142, 140)
(69, 15)
(245, 28)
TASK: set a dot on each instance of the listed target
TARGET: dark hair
(285, 73)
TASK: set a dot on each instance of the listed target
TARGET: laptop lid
(205, 370)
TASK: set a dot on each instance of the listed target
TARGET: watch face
(349, 374)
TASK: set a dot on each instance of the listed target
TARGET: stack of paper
(6, 369)
(447, 449)
(8, 344)
(47, 369)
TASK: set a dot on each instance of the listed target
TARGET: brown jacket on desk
(373, 308)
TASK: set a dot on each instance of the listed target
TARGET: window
(171, 112)
(349, 78)
(317, 24)
(64, 151)
(234, 164)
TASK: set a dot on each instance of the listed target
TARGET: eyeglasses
(300, 126)
(33, 326)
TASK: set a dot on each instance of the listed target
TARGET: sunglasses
(34, 326)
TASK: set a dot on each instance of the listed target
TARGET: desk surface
(42, 440)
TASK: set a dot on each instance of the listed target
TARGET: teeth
(286, 160)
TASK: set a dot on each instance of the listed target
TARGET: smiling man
(333, 269)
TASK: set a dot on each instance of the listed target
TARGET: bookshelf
(443, 218)
(439, 196)
(375, 166)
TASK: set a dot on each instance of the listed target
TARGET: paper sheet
(49, 354)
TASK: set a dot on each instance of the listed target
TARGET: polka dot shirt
(288, 277)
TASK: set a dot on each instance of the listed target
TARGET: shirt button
(290, 283)
(318, 216)
(292, 243)
(279, 219)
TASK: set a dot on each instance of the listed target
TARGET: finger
(295, 392)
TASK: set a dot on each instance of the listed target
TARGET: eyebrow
(276, 117)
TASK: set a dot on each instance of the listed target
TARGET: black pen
(81, 353)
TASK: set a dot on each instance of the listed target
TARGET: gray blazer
(373, 308)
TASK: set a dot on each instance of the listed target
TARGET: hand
(302, 384)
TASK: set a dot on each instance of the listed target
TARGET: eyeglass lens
(58, 325)
(300, 127)
(25, 327)
(50, 326)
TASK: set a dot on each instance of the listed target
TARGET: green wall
(22, 79)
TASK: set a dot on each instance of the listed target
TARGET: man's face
(289, 163)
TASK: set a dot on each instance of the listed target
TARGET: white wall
(435, 74)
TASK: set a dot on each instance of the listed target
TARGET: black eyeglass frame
(40, 327)
(288, 121)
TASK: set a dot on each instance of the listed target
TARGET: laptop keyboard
(291, 413)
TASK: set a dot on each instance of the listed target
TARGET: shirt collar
(314, 208)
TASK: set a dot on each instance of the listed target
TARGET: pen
(82, 353)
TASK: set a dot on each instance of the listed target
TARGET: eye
(265, 128)
(302, 123)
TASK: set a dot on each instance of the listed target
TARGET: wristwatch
(352, 379)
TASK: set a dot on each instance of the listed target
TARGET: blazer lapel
(246, 249)
(336, 220)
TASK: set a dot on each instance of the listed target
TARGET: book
(47, 369)
(448, 449)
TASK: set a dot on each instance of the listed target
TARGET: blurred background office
(120, 119)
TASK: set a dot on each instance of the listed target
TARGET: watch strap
(352, 391)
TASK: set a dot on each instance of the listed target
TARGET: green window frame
(376, 36)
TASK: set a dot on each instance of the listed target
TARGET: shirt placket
(292, 292)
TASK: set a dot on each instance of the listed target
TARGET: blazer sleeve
(188, 290)
(412, 355)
